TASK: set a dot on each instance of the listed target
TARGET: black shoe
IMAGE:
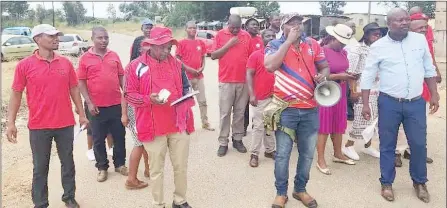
(71, 203)
(222, 151)
(407, 156)
(239, 146)
(271, 155)
(184, 205)
(398, 161)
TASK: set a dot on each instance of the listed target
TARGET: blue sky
(286, 7)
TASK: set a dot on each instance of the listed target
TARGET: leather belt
(401, 100)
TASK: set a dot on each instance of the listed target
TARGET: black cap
(369, 27)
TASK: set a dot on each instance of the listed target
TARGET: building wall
(362, 19)
(440, 37)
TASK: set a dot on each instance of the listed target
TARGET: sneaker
(350, 152)
(222, 151)
(90, 155)
(371, 151)
(102, 176)
(254, 161)
(71, 203)
(239, 146)
(110, 152)
(122, 170)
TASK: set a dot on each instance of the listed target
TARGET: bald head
(100, 38)
(191, 24)
(234, 19)
(415, 10)
(98, 29)
(234, 24)
(394, 13)
(398, 22)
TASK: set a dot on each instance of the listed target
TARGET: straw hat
(342, 33)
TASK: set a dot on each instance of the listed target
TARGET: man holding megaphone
(293, 112)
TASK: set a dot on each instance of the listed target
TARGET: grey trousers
(41, 141)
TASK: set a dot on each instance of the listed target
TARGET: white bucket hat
(45, 29)
(342, 33)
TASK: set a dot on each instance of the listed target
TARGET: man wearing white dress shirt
(403, 62)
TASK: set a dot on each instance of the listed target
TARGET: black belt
(401, 100)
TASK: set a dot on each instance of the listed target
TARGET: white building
(361, 19)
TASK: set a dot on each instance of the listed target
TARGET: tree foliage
(266, 8)
(16, 9)
(332, 7)
(111, 12)
(74, 12)
(428, 7)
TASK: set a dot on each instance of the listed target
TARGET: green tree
(111, 11)
(266, 8)
(428, 7)
(40, 13)
(332, 7)
(74, 12)
(16, 9)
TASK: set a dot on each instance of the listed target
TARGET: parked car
(207, 36)
(25, 31)
(17, 46)
(72, 44)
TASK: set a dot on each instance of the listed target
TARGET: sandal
(325, 171)
(139, 185)
(311, 204)
(276, 205)
(208, 127)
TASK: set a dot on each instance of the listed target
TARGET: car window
(14, 41)
(25, 40)
(79, 38)
(11, 32)
(201, 34)
(66, 38)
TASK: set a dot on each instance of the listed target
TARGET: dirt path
(226, 182)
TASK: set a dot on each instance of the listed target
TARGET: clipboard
(185, 97)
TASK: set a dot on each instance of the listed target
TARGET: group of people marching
(277, 68)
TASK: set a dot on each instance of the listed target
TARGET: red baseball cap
(418, 16)
(159, 36)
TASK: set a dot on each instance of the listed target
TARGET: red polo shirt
(191, 52)
(102, 76)
(256, 43)
(263, 80)
(232, 64)
(48, 85)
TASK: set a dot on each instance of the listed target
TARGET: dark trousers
(414, 119)
(41, 141)
(246, 116)
(108, 120)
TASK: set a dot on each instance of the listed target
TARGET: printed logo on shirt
(199, 48)
(61, 72)
(258, 45)
(310, 52)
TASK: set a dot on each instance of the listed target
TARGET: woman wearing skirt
(372, 32)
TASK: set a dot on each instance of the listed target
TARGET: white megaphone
(327, 93)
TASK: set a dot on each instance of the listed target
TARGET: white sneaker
(371, 151)
(350, 152)
(90, 155)
(110, 152)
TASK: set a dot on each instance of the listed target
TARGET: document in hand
(185, 97)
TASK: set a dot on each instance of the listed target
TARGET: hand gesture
(294, 34)
(233, 41)
(253, 101)
(156, 100)
(83, 121)
(366, 112)
(93, 109)
(434, 103)
(319, 78)
(11, 133)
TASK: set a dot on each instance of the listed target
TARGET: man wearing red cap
(159, 125)
(232, 47)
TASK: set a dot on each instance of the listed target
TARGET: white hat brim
(54, 32)
(330, 31)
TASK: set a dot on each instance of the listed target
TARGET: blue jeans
(414, 119)
(305, 123)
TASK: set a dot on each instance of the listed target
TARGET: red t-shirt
(102, 76)
(263, 80)
(256, 43)
(191, 53)
(48, 85)
(232, 64)
(429, 36)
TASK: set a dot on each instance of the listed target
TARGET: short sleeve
(73, 79)
(82, 69)
(179, 49)
(272, 47)
(202, 44)
(20, 81)
(252, 61)
(319, 56)
(120, 66)
(217, 44)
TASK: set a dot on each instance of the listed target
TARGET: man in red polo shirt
(298, 63)
(161, 126)
(260, 88)
(192, 53)
(100, 77)
(50, 81)
(256, 43)
(232, 47)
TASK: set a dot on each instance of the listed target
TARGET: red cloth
(152, 119)
(263, 80)
(256, 43)
(426, 92)
(191, 53)
(48, 87)
(419, 16)
(102, 76)
(232, 64)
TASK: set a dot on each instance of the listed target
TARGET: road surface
(216, 182)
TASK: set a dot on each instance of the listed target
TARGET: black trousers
(108, 120)
(40, 142)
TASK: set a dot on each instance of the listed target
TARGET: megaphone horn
(327, 93)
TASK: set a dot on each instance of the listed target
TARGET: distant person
(232, 47)
(146, 27)
(260, 88)
(161, 127)
(400, 100)
(100, 77)
(192, 53)
(50, 81)
(275, 23)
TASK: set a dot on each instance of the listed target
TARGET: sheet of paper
(185, 97)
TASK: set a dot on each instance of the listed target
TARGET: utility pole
(54, 22)
(93, 9)
(369, 12)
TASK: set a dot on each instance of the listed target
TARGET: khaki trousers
(232, 96)
(178, 145)
(259, 133)
(199, 85)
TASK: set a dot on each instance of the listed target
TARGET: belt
(401, 100)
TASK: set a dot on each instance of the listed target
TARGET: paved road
(229, 181)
